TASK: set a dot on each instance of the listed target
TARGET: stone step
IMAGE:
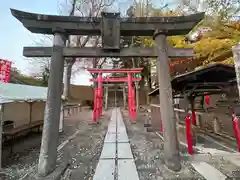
(225, 167)
(208, 171)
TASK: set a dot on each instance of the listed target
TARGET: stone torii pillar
(171, 147)
(236, 53)
(50, 134)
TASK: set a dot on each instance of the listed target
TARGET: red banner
(5, 69)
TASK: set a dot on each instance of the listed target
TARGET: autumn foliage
(214, 46)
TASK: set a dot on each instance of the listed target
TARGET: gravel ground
(83, 150)
(149, 156)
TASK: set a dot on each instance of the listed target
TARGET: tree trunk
(69, 62)
(67, 78)
(149, 82)
(95, 75)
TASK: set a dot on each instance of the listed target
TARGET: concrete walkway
(116, 161)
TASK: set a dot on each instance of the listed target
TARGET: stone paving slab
(116, 137)
(112, 129)
(127, 170)
(105, 170)
(112, 125)
(110, 138)
(108, 151)
(121, 128)
(122, 138)
(124, 151)
(120, 121)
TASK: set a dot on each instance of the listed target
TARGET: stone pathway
(116, 160)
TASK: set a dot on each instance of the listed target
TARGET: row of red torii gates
(98, 91)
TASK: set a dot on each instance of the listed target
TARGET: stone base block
(133, 122)
(152, 129)
(147, 122)
(147, 125)
(55, 175)
(93, 122)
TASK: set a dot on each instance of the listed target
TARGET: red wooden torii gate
(98, 92)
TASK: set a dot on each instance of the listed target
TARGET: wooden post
(216, 125)
(106, 97)
(124, 98)
(137, 96)
(171, 147)
(194, 120)
(50, 134)
(115, 94)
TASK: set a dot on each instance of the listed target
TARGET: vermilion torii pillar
(98, 97)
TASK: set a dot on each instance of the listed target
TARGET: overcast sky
(14, 36)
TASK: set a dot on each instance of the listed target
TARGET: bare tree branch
(90, 8)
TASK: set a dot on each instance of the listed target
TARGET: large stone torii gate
(111, 27)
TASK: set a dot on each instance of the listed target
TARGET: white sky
(14, 36)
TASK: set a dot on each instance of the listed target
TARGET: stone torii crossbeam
(110, 26)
